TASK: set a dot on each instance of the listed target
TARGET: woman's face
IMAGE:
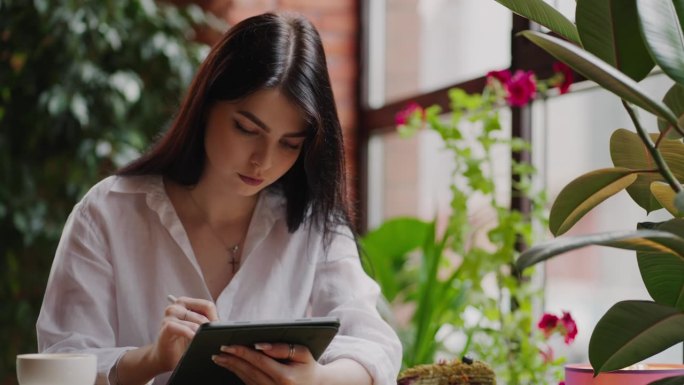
(252, 142)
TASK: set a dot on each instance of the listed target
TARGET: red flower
(568, 76)
(404, 115)
(570, 327)
(547, 324)
(561, 383)
(502, 76)
(565, 326)
(520, 88)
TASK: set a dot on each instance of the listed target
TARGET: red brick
(343, 70)
(271, 4)
(239, 14)
(320, 5)
(341, 22)
(208, 36)
(347, 116)
(339, 45)
(344, 91)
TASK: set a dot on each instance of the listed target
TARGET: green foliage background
(84, 86)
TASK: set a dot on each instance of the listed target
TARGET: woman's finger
(180, 311)
(205, 308)
(254, 357)
(249, 373)
(285, 352)
(180, 328)
(191, 325)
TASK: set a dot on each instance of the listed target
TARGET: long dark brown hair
(269, 51)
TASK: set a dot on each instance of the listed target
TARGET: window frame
(378, 121)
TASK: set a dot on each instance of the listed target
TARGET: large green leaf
(632, 331)
(674, 99)
(585, 193)
(677, 380)
(639, 240)
(607, 76)
(610, 30)
(663, 273)
(386, 248)
(628, 150)
(542, 13)
(679, 201)
(429, 285)
(666, 197)
(662, 30)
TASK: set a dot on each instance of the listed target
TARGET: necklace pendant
(234, 260)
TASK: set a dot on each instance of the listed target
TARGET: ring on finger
(291, 353)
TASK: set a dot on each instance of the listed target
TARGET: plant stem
(657, 157)
(662, 136)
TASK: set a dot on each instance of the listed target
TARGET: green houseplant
(84, 85)
(616, 44)
(435, 269)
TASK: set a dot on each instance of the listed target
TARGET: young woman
(239, 211)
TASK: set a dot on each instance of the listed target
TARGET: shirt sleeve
(78, 312)
(342, 289)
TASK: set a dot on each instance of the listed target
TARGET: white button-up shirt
(124, 249)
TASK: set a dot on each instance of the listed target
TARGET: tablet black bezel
(196, 365)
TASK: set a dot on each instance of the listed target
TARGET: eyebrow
(266, 128)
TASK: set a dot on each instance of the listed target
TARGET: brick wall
(337, 21)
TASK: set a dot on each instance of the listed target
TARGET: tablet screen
(196, 365)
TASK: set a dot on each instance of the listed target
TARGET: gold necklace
(232, 250)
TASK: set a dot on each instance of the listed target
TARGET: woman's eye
(290, 146)
(244, 130)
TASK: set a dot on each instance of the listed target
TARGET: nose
(262, 157)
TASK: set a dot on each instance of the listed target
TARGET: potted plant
(616, 44)
(432, 273)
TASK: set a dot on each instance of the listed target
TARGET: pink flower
(568, 76)
(547, 324)
(404, 115)
(569, 326)
(561, 383)
(520, 88)
(502, 76)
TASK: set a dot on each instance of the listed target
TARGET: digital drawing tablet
(196, 366)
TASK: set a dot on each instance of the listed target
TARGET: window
(423, 45)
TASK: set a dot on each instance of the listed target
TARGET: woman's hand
(271, 364)
(181, 321)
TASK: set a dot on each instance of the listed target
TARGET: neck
(221, 206)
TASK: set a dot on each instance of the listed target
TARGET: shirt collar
(270, 207)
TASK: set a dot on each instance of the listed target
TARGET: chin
(250, 191)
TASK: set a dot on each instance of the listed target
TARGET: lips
(251, 181)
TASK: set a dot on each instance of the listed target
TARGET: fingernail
(228, 349)
(263, 346)
(214, 357)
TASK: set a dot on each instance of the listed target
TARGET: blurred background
(86, 85)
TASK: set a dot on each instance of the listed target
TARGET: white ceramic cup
(56, 369)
